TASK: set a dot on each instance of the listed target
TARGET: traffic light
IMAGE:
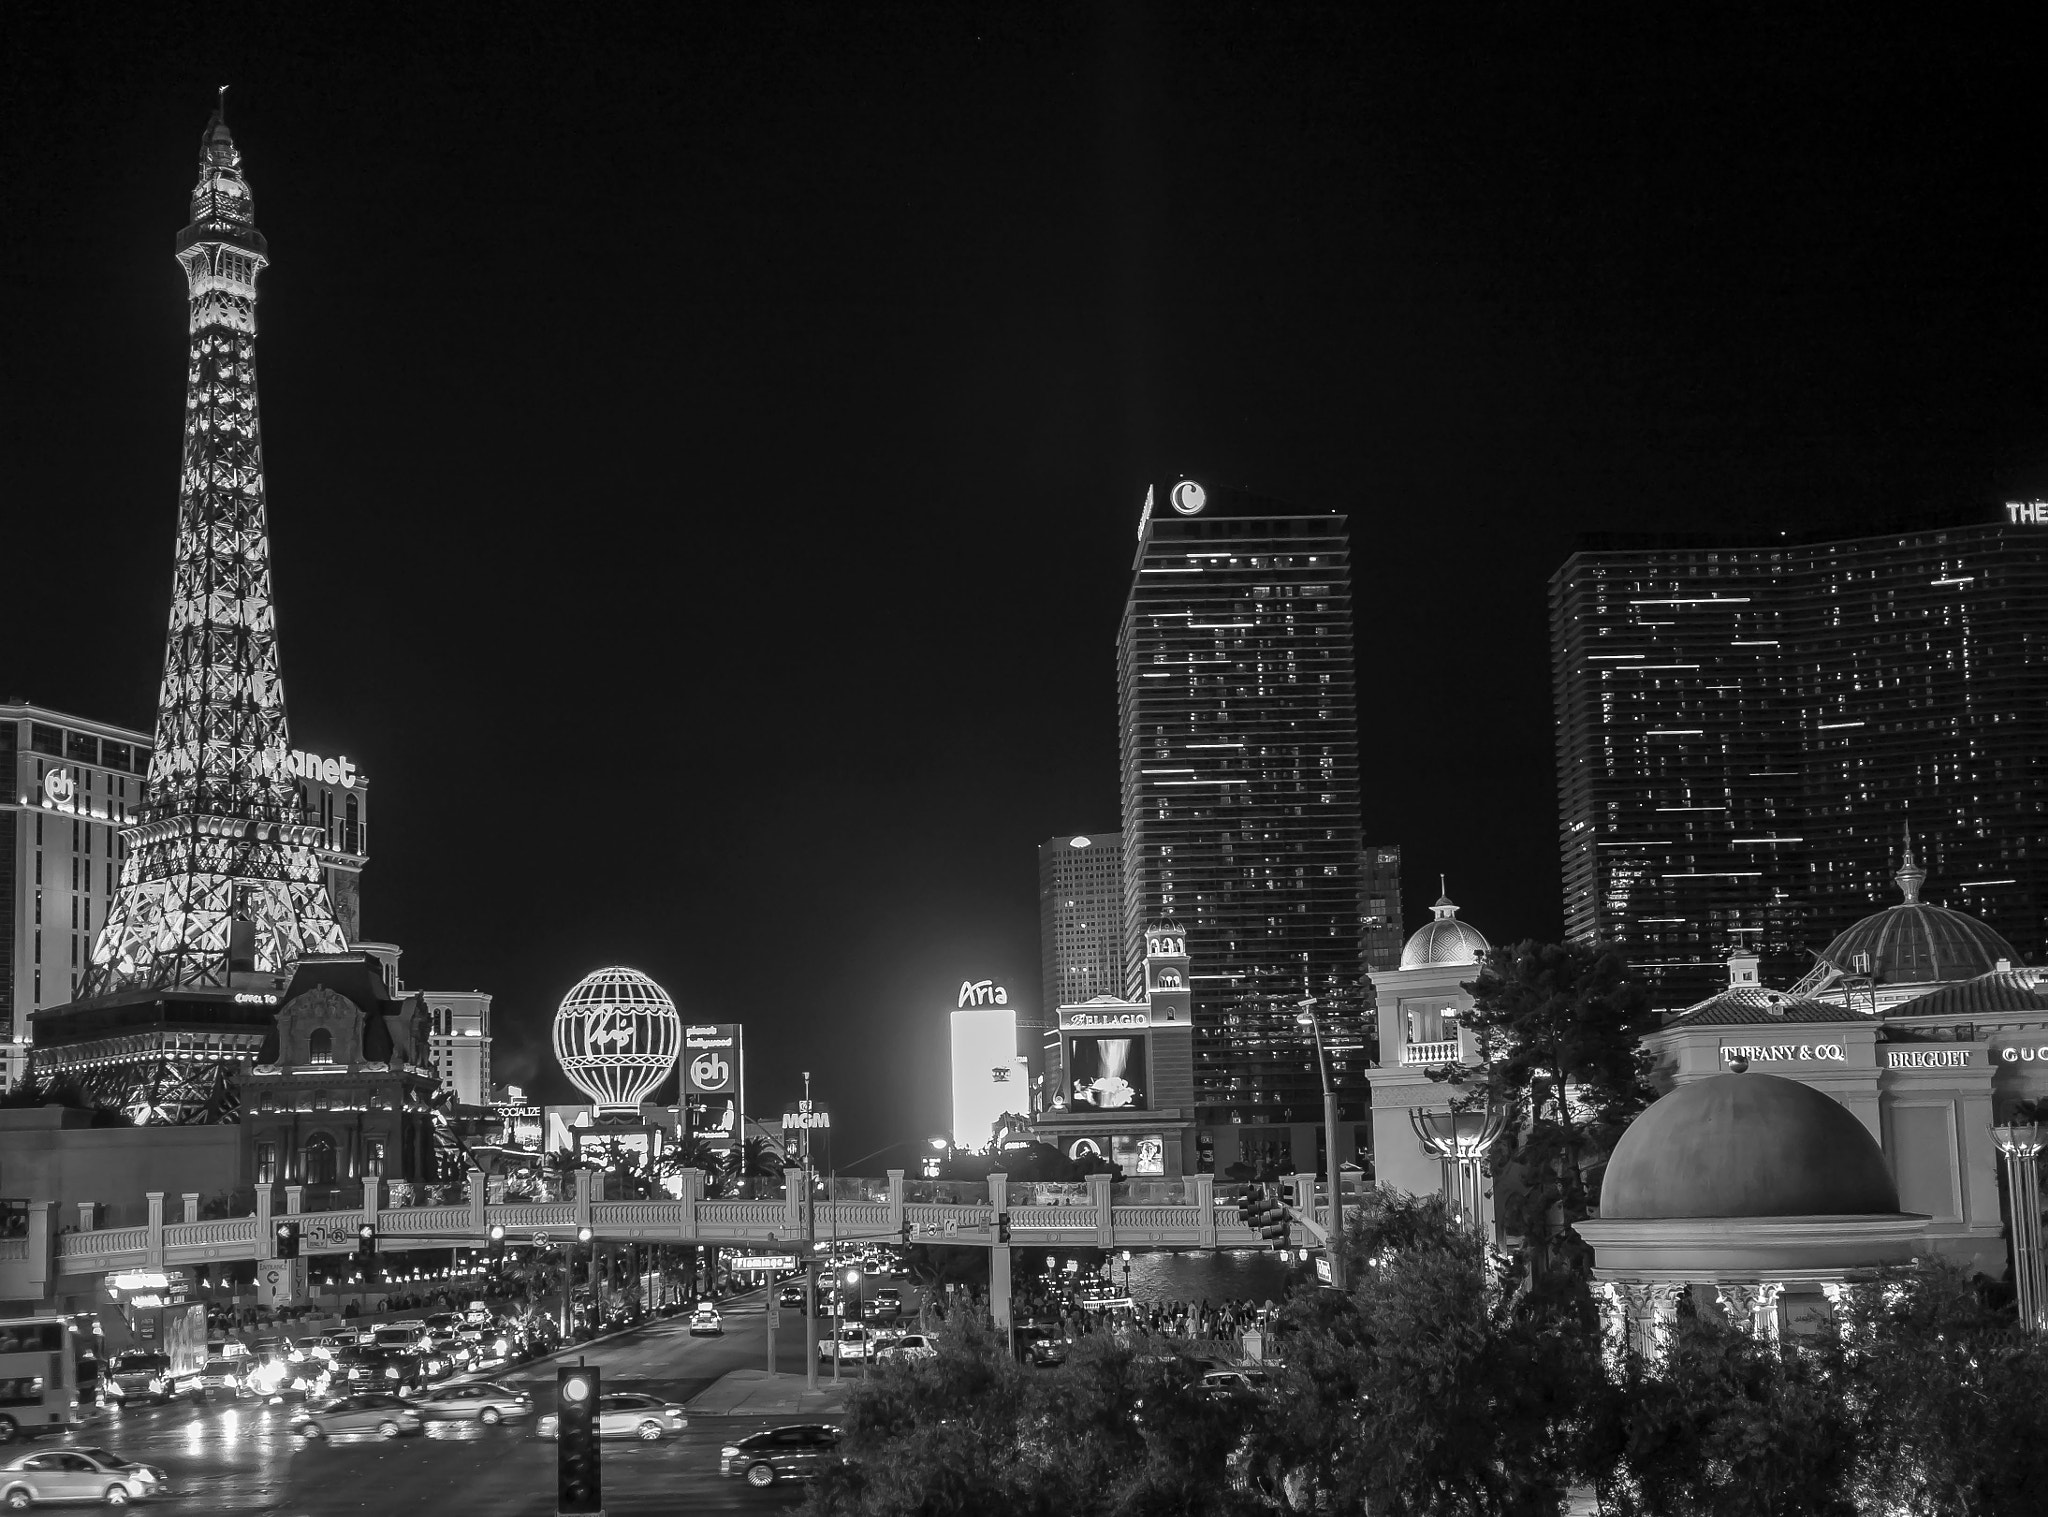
(906, 1232)
(287, 1241)
(1273, 1226)
(366, 1242)
(1248, 1208)
(579, 1478)
(1002, 1227)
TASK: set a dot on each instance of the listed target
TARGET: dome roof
(1747, 1145)
(1446, 940)
(1914, 943)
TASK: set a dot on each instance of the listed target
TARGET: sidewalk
(755, 1393)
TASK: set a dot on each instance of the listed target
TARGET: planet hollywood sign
(1784, 1053)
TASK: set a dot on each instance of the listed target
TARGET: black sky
(704, 444)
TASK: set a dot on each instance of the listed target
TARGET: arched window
(319, 1167)
(320, 1047)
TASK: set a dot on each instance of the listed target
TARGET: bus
(38, 1377)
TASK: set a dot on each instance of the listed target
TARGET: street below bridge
(240, 1456)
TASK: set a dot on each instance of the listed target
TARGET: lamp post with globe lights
(1461, 1140)
(1307, 1018)
(2020, 1146)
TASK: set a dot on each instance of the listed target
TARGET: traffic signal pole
(810, 1260)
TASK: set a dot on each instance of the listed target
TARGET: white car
(79, 1474)
(850, 1342)
(909, 1346)
(628, 1416)
(706, 1323)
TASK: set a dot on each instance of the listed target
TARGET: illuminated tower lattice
(220, 872)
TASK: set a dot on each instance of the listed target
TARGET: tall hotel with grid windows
(1080, 922)
(1745, 735)
(1238, 718)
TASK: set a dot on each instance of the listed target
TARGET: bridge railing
(427, 1221)
(531, 1216)
(83, 1248)
(214, 1234)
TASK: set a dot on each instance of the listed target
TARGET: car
(791, 1294)
(626, 1416)
(378, 1369)
(852, 1341)
(889, 1301)
(909, 1346)
(706, 1323)
(137, 1376)
(79, 1474)
(800, 1451)
(377, 1412)
(1046, 1351)
(436, 1321)
(1235, 1385)
(401, 1336)
(218, 1375)
(478, 1401)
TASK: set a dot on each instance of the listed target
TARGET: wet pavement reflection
(245, 1456)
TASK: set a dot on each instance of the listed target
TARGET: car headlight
(390, 1373)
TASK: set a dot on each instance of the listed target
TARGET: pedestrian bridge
(46, 1260)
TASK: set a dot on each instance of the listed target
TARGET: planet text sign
(1784, 1053)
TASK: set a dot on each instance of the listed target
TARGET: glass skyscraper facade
(1080, 923)
(1238, 714)
(1745, 736)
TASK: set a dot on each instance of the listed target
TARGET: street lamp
(1127, 1274)
(942, 1149)
(2020, 1147)
(1307, 1018)
(1460, 1140)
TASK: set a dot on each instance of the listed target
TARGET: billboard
(520, 1125)
(714, 1081)
(1106, 1074)
(1138, 1153)
(988, 1077)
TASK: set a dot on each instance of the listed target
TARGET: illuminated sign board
(1927, 1058)
(1784, 1053)
(2016, 1054)
(983, 993)
(714, 1087)
(522, 1124)
(1138, 1016)
(2029, 513)
(771, 1262)
(1188, 498)
(1138, 1154)
(1145, 516)
(1106, 1074)
(808, 1116)
(59, 788)
(983, 1040)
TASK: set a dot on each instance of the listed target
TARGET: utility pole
(810, 1256)
(1334, 1248)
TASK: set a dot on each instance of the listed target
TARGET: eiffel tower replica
(221, 890)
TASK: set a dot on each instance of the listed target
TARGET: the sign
(1106, 1074)
(1323, 1269)
(773, 1263)
(326, 1234)
(1138, 1154)
(808, 1116)
(2014, 1053)
(1145, 516)
(1927, 1058)
(1189, 498)
(59, 788)
(1784, 1053)
(983, 993)
(1131, 1016)
(2032, 513)
(254, 998)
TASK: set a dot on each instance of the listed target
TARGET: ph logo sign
(710, 1072)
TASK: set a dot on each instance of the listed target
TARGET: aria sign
(1784, 1053)
(983, 993)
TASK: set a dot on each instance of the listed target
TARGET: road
(239, 1457)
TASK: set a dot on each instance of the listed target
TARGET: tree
(754, 1159)
(1559, 1028)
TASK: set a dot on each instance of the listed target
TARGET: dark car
(801, 1451)
(791, 1294)
(369, 1369)
(371, 1412)
(134, 1377)
(889, 1301)
(1047, 1352)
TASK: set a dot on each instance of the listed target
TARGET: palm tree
(755, 1159)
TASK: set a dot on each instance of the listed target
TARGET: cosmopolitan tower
(219, 878)
(1238, 714)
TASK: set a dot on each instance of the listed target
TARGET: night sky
(704, 450)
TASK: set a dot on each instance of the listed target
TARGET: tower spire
(220, 874)
(1910, 876)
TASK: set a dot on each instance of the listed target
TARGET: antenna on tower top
(222, 110)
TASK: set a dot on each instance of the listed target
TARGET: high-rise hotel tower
(1746, 735)
(1238, 726)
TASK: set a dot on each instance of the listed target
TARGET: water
(1235, 1274)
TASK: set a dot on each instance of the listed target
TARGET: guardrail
(1443, 1052)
